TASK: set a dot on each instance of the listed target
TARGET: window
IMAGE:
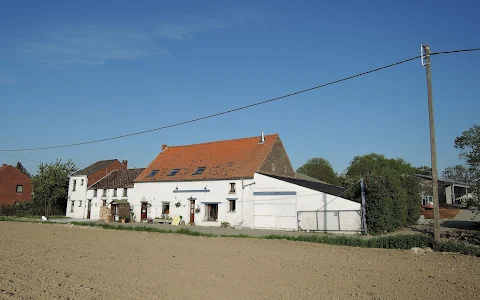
(232, 203)
(72, 205)
(80, 203)
(104, 194)
(114, 192)
(104, 203)
(211, 212)
(81, 182)
(173, 172)
(232, 187)
(74, 185)
(152, 173)
(199, 171)
(273, 167)
(427, 200)
(125, 192)
(19, 188)
(165, 208)
(95, 193)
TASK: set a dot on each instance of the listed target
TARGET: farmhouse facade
(246, 182)
(449, 191)
(78, 205)
(14, 186)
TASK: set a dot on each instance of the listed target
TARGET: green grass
(398, 241)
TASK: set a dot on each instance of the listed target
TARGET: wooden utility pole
(425, 53)
(364, 208)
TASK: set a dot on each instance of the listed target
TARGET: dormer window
(199, 171)
(173, 172)
(153, 173)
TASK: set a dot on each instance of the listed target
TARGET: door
(143, 214)
(89, 208)
(192, 211)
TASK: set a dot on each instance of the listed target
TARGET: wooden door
(192, 211)
(89, 208)
(143, 214)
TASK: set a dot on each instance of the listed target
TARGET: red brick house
(14, 186)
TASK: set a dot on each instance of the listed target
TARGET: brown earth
(40, 261)
(445, 213)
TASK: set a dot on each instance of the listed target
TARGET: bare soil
(40, 261)
(446, 213)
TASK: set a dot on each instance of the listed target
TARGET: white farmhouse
(114, 189)
(246, 182)
(78, 205)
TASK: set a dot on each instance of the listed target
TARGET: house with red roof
(246, 182)
(14, 186)
(79, 205)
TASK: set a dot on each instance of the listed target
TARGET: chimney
(125, 163)
(262, 138)
(164, 147)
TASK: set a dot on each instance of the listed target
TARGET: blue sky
(77, 71)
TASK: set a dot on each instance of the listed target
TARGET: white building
(78, 205)
(245, 182)
(116, 187)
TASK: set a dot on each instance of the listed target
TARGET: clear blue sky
(72, 71)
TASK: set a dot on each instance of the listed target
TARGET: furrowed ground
(41, 261)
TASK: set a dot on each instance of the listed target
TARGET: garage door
(275, 212)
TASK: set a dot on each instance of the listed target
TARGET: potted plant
(122, 219)
(178, 204)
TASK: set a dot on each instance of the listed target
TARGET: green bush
(457, 247)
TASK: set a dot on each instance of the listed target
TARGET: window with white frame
(165, 208)
(232, 188)
(95, 193)
(74, 185)
(114, 192)
(125, 192)
(80, 203)
(81, 182)
(211, 212)
(72, 206)
(19, 188)
(104, 194)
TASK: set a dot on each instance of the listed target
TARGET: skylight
(199, 171)
(173, 172)
(152, 173)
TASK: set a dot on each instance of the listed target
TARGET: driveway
(465, 220)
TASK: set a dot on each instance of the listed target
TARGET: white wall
(79, 197)
(448, 194)
(97, 201)
(305, 199)
(155, 193)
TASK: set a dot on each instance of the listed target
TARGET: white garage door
(275, 212)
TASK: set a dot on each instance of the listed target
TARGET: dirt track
(39, 261)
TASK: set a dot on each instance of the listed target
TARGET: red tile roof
(239, 158)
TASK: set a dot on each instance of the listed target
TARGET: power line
(21, 158)
(455, 51)
(238, 108)
(216, 114)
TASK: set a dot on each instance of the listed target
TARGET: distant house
(14, 186)
(77, 205)
(247, 182)
(111, 191)
(449, 191)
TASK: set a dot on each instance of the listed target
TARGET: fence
(330, 220)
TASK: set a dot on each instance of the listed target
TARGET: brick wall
(10, 177)
(277, 161)
(93, 178)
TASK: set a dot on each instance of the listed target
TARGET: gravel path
(42, 261)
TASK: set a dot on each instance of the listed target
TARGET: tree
(50, 185)
(460, 173)
(22, 169)
(320, 169)
(391, 188)
(469, 144)
(424, 170)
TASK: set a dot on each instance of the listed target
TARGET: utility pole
(425, 54)
(364, 208)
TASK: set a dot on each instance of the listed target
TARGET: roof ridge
(221, 141)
